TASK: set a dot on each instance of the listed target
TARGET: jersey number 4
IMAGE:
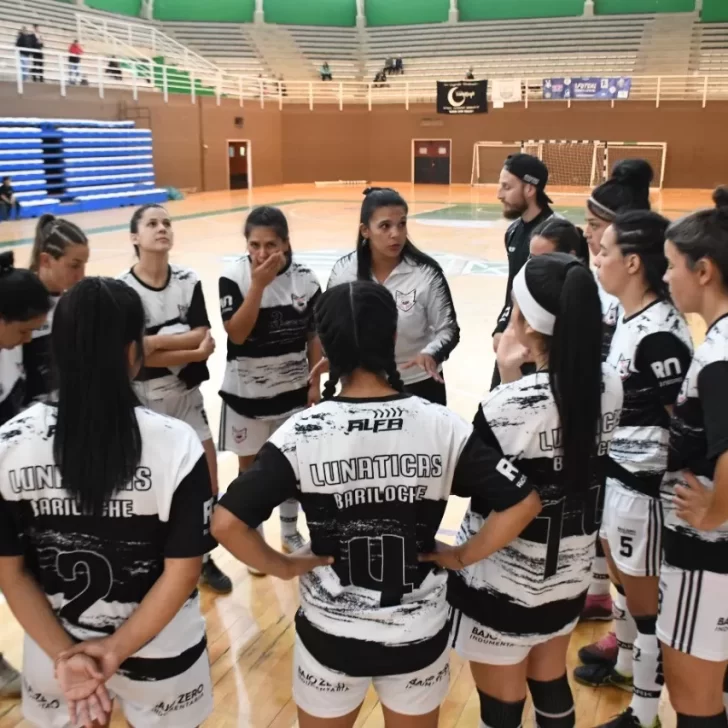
(379, 564)
(552, 519)
(88, 578)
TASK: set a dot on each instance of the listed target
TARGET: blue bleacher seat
(76, 165)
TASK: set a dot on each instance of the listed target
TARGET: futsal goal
(572, 164)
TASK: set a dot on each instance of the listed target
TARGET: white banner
(505, 91)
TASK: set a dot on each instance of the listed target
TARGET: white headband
(537, 317)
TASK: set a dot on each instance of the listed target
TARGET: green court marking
(447, 212)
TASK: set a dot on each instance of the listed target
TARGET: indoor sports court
(241, 114)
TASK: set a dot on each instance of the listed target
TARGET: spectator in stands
(282, 86)
(24, 43)
(470, 76)
(74, 62)
(113, 69)
(8, 201)
(38, 61)
(326, 72)
(390, 65)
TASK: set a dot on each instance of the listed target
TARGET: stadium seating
(710, 48)
(76, 165)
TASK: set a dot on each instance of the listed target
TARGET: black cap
(531, 170)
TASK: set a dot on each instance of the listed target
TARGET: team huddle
(598, 459)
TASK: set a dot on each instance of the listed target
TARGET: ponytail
(575, 371)
(567, 292)
(97, 444)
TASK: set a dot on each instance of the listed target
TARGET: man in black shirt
(8, 201)
(522, 186)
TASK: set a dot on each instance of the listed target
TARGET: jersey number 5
(88, 578)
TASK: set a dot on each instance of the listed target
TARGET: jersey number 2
(88, 578)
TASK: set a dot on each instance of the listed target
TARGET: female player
(177, 341)
(651, 350)
(267, 301)
(373, 469)
(24, 305)
(427, 330)
(59, 256)
(104, 517)
(558, 235)
(516, 610)
(627, 189)
(693, 621)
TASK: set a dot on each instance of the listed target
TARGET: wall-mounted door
(239, 164)
(432, 160)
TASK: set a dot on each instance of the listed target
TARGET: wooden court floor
(250, 632)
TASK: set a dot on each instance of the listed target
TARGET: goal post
(580, 164)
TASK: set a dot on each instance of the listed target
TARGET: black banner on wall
(462, 97)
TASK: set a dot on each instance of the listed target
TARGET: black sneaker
(628, 720)
(213, 578)
(602, 676)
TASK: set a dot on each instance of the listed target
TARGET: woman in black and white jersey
(59, 256)
(516, 610)
(267, 299)
(651, 350)
(373, 469)
(628, 188)
(177, 340)
(24, 306)
(427, 329)
(693, 621)
(105, 511)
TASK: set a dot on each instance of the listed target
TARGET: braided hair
(357, 325)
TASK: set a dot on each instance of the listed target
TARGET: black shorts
(429, 389)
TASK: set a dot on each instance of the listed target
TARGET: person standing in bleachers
(24, 44)
(36, 69)
(74, 62)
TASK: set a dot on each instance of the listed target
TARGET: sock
(600, 583)
(694, 721)
(553, 703)
(626, 631)
(495, 713)
(289, 517)
(648, 676)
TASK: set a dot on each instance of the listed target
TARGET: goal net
(574, 166)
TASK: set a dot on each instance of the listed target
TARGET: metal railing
(138, 35)
(138, 74)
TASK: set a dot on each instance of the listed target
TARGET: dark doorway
(239, 165)
(432, 162)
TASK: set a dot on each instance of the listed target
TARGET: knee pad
(553, 703)
(495, 713)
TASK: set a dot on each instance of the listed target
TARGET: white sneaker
(10, 680)
(292, 542)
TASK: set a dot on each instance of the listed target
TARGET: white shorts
(242, 435)
(188, 407)
(632, 526)
(693, 617)
(324, 693)
(184, 701)
(475, 642)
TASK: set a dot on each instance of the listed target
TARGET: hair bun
(720, 198)
(7, 261)
(369, 190)
(635, 173)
